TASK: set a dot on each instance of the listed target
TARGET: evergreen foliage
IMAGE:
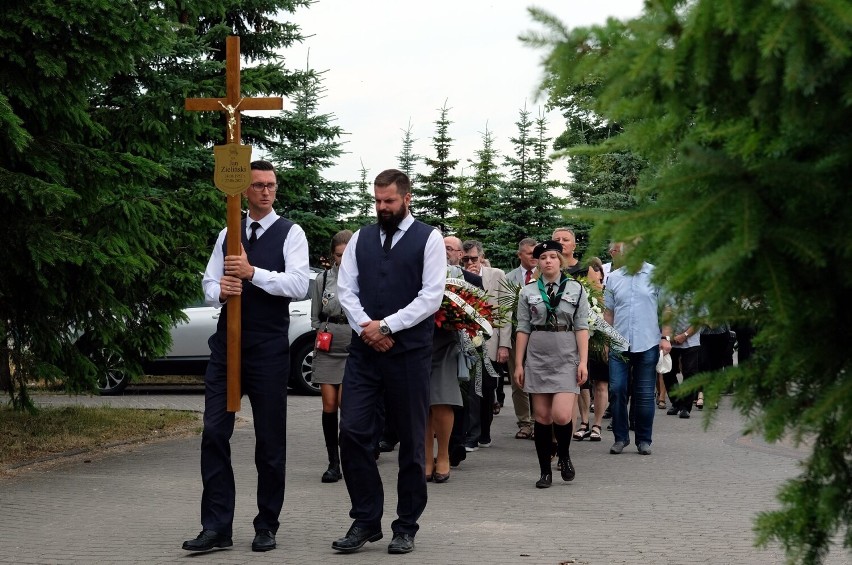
(311, 143)
(365, 202)
(479, 192)
(525, 206)
(105, 182)
(407, 157)
(742, 110)
(435, 193)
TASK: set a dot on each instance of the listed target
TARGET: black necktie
(253, 236)
(550, 292)
(388, 239)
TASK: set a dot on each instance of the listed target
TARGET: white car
(189, 353)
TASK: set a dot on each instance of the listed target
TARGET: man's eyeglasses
(467, 259)
(448, 248)
(259, 186)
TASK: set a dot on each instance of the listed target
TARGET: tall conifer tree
(479, 192)
(311, 143)
(742, 110)
(435, 193)
(105, 181)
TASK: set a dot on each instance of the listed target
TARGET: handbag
(323, 342)
(664, 365)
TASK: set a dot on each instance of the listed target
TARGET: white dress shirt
(426, 303)
(292, 283)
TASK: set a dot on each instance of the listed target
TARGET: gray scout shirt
(572, 310)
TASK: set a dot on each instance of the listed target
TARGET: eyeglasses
(259, 186)
(449, 248)
(467, 259)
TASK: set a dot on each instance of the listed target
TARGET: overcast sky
(389, 61)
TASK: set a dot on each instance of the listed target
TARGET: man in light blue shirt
(631, 306)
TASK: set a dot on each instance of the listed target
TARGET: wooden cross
(232, 104)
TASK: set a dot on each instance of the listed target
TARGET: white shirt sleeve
(292, 283)
(347, 286)
(213, 273)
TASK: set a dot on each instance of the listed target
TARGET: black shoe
(607, 413)
(672, 411)
(684, 414)
(332, 474)
(207, 540)
(457, 455)
(545, 481)
(385, 446)
(401, 543)
(264, 540)
(355, 539)
(567, 469)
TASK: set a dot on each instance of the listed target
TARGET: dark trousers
(481, 410)
(265, 370)
(404, 378)
(718, 351)
(688, 361)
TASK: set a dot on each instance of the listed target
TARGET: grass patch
(30, 437)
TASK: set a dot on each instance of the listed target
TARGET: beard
(391, 220)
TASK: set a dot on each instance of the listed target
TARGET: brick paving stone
(692, 501)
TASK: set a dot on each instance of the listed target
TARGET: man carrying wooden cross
(271, 269)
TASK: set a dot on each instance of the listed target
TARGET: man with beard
(390, 285)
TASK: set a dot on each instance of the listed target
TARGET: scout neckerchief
(551, 308)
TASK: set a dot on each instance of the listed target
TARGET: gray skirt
(551, 363)
(444, 381)
(328, 366)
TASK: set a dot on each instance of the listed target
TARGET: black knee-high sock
(329, 430)
(563, 438)
(542, 446)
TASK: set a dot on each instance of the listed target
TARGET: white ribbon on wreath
(475, 358)
(467, 308)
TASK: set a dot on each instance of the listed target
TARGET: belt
(559, 328)
(333, 319)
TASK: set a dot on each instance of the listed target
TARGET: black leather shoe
(401, 543)
(684, 414)
(355, 539)
(385, 446)
(457, 455)
(545, 481)
(673, 411)
(567, 469)
(264, 540)
(207, 540)
(332, 474)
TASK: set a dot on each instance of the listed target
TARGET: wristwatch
(384, 329)
(666, 337)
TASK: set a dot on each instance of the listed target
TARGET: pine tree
(105, 181)
(478, 192)
(365, 209)
(524, 207)
(310, 144)
(434, 197)
(407, 157)
(742, 111)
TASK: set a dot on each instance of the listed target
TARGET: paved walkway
(692, 501)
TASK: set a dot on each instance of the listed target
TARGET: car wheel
(114, 379)
(301, 370)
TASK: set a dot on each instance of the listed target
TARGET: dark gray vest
(389, 282)
(264, 316)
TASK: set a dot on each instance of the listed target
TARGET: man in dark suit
(390, 284)
(271, 270)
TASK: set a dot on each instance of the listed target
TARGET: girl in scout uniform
(328, 316)
(553, 335)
